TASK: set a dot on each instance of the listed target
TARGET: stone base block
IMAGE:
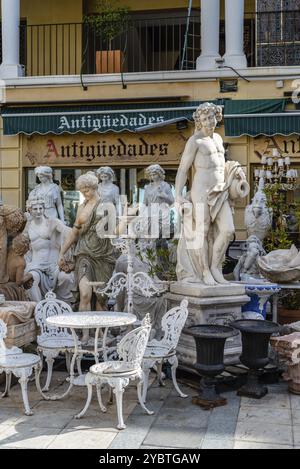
(220, 308)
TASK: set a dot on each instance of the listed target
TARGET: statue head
(44, 173)
(207, 115)
(155, 172)
(87, 184)
(20, 244)
(106, 173)
(36, 207)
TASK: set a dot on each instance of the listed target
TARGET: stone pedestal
(288, 348)
(21, 326)
(220, 304)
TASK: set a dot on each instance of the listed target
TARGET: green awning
(91, 118)
(259, 117)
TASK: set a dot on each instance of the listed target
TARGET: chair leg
(99, 397)
(146, 370)
(118, 391)
(23, 382)
(68, 361)
(78, 364)
(140, 397)
(7, 385)
(159, 373)
(174, 364)
(49, 361)
(89, 398)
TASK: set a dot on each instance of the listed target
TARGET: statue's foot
(218, 276)
(192, 280)
(208, 279)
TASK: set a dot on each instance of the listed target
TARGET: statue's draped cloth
(94, 256)
(189, 260)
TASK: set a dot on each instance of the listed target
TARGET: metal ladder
(186, 62)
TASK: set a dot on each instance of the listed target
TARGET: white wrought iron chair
(53, 340)
(14, 361)
(117, 374)
(159, 351)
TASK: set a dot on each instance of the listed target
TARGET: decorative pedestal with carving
(259, 295)
(220, 305)
(288, 348)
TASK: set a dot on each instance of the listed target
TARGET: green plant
(160, 262)
(278, 237)
(110, 20)
(291, 300)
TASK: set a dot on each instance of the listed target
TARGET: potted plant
(110, 21)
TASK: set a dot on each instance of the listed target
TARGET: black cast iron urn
(255, 346)
(210, 342)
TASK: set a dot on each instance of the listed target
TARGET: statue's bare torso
(208, 165)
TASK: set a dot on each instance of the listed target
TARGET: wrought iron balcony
(153, 44)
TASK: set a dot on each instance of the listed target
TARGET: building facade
(73, 102)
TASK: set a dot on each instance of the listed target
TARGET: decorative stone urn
(255, 340)
(210, 342)
(288, 348)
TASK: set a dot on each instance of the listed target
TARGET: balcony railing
(153, 44)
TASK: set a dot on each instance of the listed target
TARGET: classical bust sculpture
(46, 236)
(258, 216)
(207, 225)
(49, 192)
(107, 190)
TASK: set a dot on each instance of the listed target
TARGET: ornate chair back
(132, 347)
(172, 324)
(46, 308)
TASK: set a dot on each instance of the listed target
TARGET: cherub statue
(247, 269)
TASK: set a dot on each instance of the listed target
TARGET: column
(210, 35)
(10, 67)
(234, 34)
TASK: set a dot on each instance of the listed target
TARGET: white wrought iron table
(87, 320)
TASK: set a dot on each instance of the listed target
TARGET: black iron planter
(255, 342)
(210, 342)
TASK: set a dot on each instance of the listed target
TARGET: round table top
(92, 319)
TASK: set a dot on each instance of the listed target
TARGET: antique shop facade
(62, 112)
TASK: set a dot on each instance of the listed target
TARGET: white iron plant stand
(118, 374)
(131, 281)
(14, 361)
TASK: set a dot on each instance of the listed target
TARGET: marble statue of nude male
(213, 186)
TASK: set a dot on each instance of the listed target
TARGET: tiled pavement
(272, 422)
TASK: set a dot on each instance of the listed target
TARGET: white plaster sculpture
(94, 257)
(49, 191)
(258, 217)
(207, 221)
(46, 236)
(157, 199)
(107, 190)
(247, 269)
(281, 265)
